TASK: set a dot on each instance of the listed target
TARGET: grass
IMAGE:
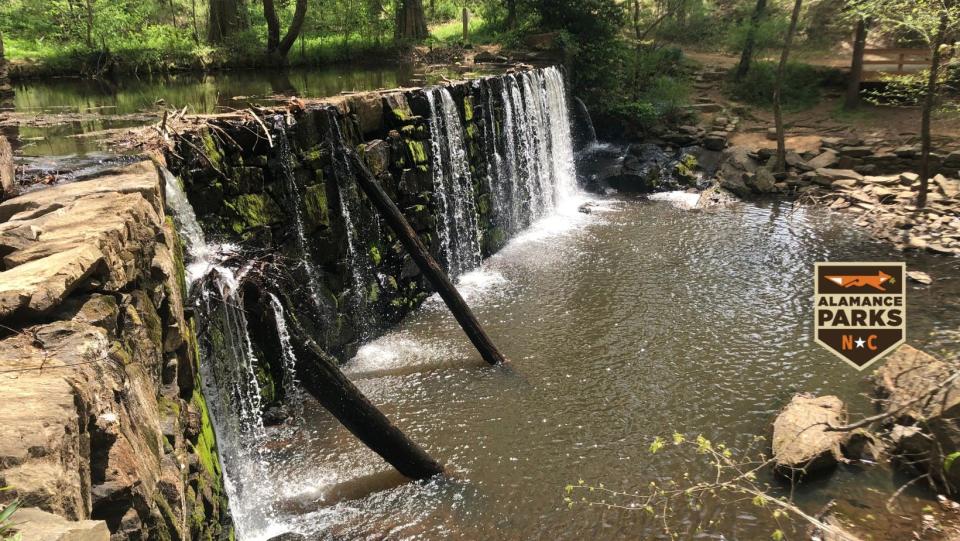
(450, 32)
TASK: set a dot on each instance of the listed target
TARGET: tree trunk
(928, 102)
(196, 26)
(7, 170)
(275, 45)
(856, 67)
(411, 22)
(746, 57)
(511, 21)
(226, 18)
(389, 211)
(319, 375)
(780, 164)
(89, 21)
(636, 19)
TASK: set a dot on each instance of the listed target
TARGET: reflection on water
(641, 320)
(200, 93)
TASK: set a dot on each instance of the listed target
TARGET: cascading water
(529, 172)
(360, 270)
(453, 185)
(294, 196)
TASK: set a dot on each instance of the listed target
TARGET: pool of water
(75, 110)
(639, 320)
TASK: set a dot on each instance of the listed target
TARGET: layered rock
(102, 415)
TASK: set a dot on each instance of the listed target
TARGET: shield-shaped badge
(860, 310)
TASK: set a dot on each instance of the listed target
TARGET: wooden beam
(434, 273)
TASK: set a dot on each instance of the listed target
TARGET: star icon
(859, 342)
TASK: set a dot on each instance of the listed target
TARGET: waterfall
(360, 270)
(294, 197)
(453, 184)
(291, 386)
(198, 254)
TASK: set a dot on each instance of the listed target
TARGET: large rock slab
(801, 441)
(100, 232)
(38, 525)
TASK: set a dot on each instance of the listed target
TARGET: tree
(275, 45)
(856, 67)
(226, 18)
(746, 57)
(411, 21)
(781, 161)
(935, 22)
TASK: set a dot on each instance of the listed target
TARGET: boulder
(38, 525)
(856, 151)
(844, 183)
(367, 108)
(825, 160)
(801, 441)
(908, 178)
(919, 277)
(736, 163)
(910, 386)
(952, 159)
(908, 151)
(716, 140)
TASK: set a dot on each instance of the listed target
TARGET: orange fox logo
(875, 282)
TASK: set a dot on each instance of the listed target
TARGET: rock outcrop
(923, 400)
(802, 443)
(102, 414)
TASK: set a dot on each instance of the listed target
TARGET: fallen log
(320, 376)
(429, 266)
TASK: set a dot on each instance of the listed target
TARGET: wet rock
(289, 536)
(38, 525)
(919, 277)
(801, 443)
(487, 57)
(736, 163)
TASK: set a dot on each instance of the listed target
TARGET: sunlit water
(637, 320)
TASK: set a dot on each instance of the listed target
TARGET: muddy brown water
(639, 320)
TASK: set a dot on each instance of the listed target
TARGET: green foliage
(801, 86)
(7, 525)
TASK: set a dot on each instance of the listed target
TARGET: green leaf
(656, 445)
(948, 462)
(777, 535)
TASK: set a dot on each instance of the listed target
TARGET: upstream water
(637, 320)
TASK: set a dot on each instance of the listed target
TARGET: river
(639, 320)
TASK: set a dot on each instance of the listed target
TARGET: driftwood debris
(438, 278)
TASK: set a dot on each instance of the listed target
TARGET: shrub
(801, 86)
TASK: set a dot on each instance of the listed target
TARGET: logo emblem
(860, 310)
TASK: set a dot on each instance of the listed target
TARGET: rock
(939, 248)
(764, 181)
(801, 443)
(715, 140)
(856, 151)
(949, 188)
(826, 177)
(8, 181)
(908, 151)
(707, 107)
(367, 108)
(825, 160)
(920, 277)
(794, 160)
(844, 183)
(771, 134)
(38, 525)
(735, 164)
(907, 179)
(910, 385)
(952, 159)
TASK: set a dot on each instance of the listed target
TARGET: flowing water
(638, 320)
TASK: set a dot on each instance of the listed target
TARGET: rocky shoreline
(106, 431)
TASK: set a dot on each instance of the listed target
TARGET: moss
(268, 387)
(315, 201)
(206, 445)
(417, 152)
(168, 407)
(252, 211)
(468, 108)
(170, 521)
(374, 294)
(178, 264)
(211, 151)
(375, 255)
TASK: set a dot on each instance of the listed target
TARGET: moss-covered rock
(251, 211)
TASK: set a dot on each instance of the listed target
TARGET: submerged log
(438, 278)
(320, 376)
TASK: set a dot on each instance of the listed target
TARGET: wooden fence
(880, 62)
